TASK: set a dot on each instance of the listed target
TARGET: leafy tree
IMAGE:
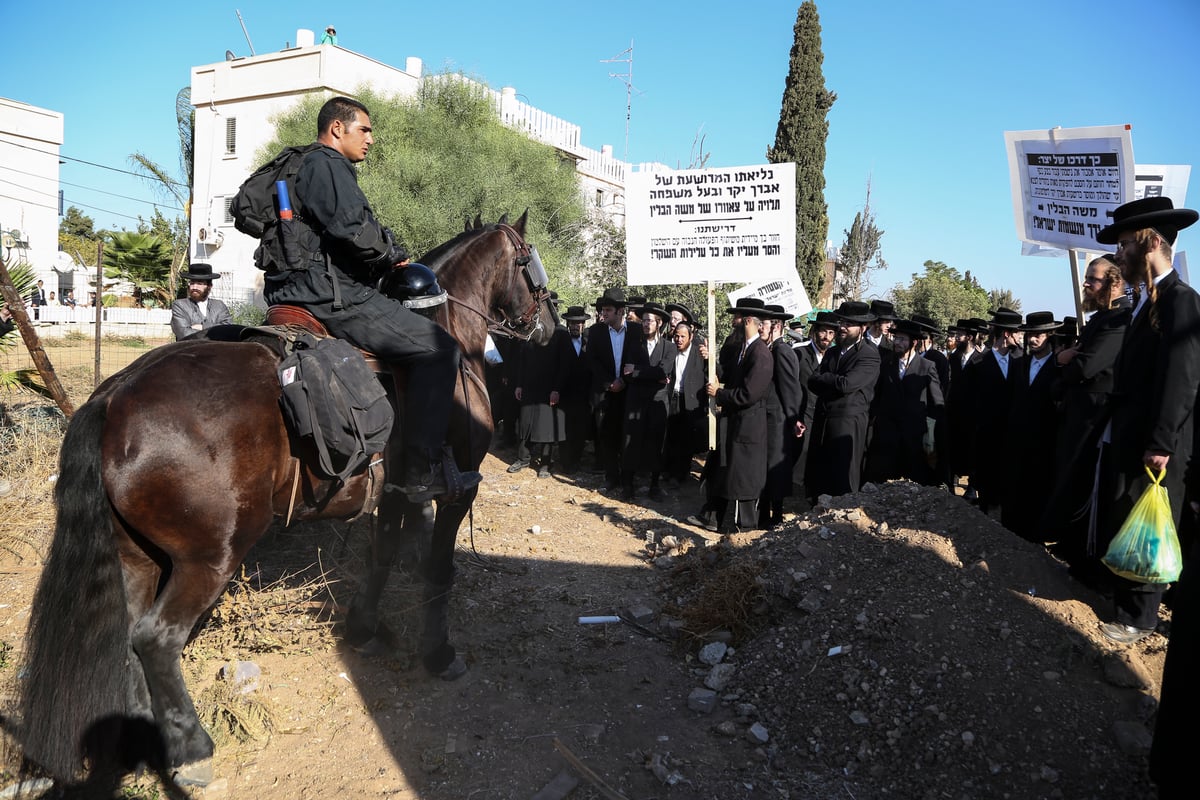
(861, 252)
(176, 232)
(75, 223)
(800, 137)
(1003, 298)
(82, 250)
(941, 293)
(442, 158)
(142, 259)
(23, 279)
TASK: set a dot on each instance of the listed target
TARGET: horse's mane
(436, 258)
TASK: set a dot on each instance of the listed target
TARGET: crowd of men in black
(1054, 427)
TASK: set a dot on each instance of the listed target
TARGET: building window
(231, 136)
(227, 202)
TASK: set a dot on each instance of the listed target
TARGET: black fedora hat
(962, 326)
(200, 272)
(909, 328)
(657, 310)
(576, 314)
(749, 307)
(926, 323)
(684, 311)
(1149, 212)
(614, 297)
(796, 324)
(1069, 327)
(1039, 322)
(883, 310)
(778, 312)
(1006, 319)
(856, 312)
(977, 325)
(824, 319)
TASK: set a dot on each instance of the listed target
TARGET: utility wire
(83, 186)
(82, 161)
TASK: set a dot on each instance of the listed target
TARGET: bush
(247, 314)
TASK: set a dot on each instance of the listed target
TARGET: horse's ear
(466, 224)
(478, 222)
(503, 220)
(520, 226)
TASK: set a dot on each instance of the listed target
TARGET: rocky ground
(893, 643)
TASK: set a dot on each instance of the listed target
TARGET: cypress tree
(800, 137)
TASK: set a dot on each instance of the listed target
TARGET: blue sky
(925, 92)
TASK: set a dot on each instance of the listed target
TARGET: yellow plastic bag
(1146, 549)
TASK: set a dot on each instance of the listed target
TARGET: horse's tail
(77, 646)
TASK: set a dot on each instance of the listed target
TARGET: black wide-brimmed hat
(686, 312)
(1149, 212)
(883, 310)
(796, 324)
(1005, 318)
(977, 325)
(614, 297)
(778, 312)
(824, 319)
(926, 323)
(1039, 322)
(857, 313)
(962, 326)
(909, 328)
(576, 314)
(200, 272)
(749, 307)
(657, 310)
(1069, 328)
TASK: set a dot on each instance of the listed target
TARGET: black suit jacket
(846, 381)
(601, 361)
(743, 402)
(695, 375)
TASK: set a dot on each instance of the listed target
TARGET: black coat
(618, 415)
(1153, 399)
(844, 386)
(541, 372)
(743, 403)
(901, 407)
(785, 407)
(960, 412)
(1030, 450)
(991, 394)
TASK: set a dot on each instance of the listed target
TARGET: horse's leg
(437, 654)
(141, 574)
(391, 536)
(158, 639)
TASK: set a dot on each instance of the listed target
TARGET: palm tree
(1003, 298)
(143, 260)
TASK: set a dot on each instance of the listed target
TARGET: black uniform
(349, 251)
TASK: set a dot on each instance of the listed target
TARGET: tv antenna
(624, 57)
(245, 33)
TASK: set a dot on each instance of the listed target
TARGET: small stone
(968, 738)
(811, 602)
(713, 653)
(665, 562)
(1051, 675)
(642, 615)
(869, 488)
(1049, 774)
(758, 734)
(702, 700)
(535, 529)
(859, 718)
(719, 676)
(1132, 737)
(592, 732)
(216, 789)
(825, 500)
(670, 542)
(854, 515)
(883, 527)
(727, 728)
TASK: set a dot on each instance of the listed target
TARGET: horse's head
(493, 271)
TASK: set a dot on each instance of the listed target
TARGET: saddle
(284, 316)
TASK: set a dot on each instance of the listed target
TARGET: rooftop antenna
(624, 57)
(244, 31)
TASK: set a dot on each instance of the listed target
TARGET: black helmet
(415, 286)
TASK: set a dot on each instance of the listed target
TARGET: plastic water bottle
(285, 201)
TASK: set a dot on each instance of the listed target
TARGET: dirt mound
(917, 649)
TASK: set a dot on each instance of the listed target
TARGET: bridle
(529, 322)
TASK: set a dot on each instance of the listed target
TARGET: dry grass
(718, 594)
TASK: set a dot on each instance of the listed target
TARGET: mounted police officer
(348, 251)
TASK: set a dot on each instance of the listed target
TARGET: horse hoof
(456, 670)
(197, 773)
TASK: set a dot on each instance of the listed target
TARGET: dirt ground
(895, 643)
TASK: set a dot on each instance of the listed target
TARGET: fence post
(98, 307)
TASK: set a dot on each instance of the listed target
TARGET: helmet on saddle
(415, 286)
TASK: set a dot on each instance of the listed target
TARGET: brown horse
(174, 468)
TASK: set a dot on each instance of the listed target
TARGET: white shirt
(680, 366)
(650, 344)
(617, 338)
(746, 346)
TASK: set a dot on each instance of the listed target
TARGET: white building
(30, 138)
(237, 100)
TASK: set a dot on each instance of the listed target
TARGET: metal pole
(98, 307)
(713, 348)
(1077, 291)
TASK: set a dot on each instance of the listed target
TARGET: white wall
(30, 138)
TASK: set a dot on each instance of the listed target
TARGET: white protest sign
(1067, 181)
(1150, 180)
(786, 291)
(727, 224)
